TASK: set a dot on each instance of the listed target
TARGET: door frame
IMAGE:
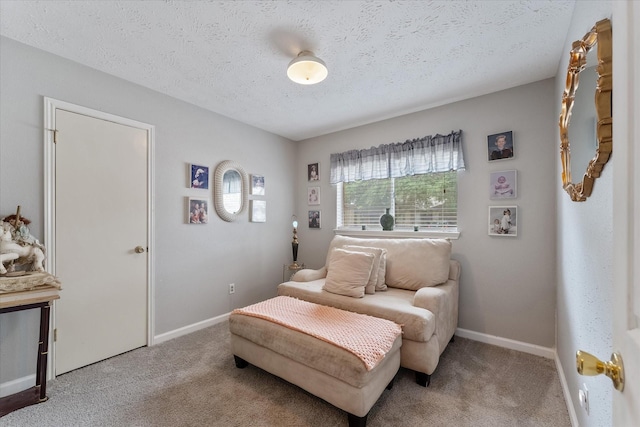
(50, 106)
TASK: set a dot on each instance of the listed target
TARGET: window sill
(432, 234)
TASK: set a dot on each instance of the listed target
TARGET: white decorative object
(18, 246)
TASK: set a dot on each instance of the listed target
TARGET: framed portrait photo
(313, 172)
(198, 210)
(503, 185)
(257, 185)
(199, 176)
(500, 146)
(258, 210)
(314, 219)
(503, 221)
(313, 195)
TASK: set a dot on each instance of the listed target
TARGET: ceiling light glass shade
(307, 69)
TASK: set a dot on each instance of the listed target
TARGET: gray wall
(193, 264)
(585, 244)
(507, 287)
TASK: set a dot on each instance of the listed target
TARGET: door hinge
(55, 335)
(55, 135)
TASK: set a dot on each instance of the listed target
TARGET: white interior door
(626, 202)
(101, 216)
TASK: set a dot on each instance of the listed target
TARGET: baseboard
(17, 385)
(548, 353)
(189, 329)
(573, 416)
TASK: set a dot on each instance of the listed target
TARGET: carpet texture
(192, 381)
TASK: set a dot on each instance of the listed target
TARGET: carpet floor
(192, 381)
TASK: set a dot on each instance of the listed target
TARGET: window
(429, 201)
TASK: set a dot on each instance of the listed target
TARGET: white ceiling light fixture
(307, 69)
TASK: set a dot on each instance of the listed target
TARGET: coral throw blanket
(369, 338)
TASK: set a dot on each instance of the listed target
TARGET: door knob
(590, 365)
(139, 249)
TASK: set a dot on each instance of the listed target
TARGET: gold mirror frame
(600, 36)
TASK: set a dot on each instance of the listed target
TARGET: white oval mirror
(231, 190)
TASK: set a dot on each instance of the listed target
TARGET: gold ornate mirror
(599, 37)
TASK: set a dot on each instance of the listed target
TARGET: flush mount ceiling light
(307, 69)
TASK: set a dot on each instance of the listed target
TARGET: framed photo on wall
(314, 219)
(313, 172)
(503, 221)
(257, 185)
(198, 210)
(503, 185)
(199, 176)
(313, 195)
(258, 210)
(500, 146)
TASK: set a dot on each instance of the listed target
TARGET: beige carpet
(193, 381)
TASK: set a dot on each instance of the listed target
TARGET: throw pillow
(348, 273)
(376, 281)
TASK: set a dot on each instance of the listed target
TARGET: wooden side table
(40, 297)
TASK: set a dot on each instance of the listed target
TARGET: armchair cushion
(411, 263)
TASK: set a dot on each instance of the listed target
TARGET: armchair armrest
(308, 274)
(430, 298)
(442, 301)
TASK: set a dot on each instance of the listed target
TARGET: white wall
(507, 286)
(585, 245)
(194, 264)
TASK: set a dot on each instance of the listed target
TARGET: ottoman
(333, 371)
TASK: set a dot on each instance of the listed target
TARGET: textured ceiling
(385, 58)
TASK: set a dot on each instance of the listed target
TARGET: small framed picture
(198, 211)
(503, 185)
(503, 221)
(313, 195)
(313, 172)
(257, 185)
(500, 146)
(199, 176)
(258, 210)
(314, 219)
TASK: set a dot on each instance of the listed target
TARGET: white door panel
(101, 216)
(626, 201)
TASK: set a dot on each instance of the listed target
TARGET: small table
(40, 297)
(292, 270)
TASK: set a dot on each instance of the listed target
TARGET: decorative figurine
(18, 246)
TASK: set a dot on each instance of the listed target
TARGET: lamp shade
(307, 69)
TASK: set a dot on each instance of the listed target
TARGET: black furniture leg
(423, 379)
(240, 362)
(355, 421)
(390, 385)
(43, 350)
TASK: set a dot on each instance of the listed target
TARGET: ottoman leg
(355, 421)
(423, 379)
(240, 362)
